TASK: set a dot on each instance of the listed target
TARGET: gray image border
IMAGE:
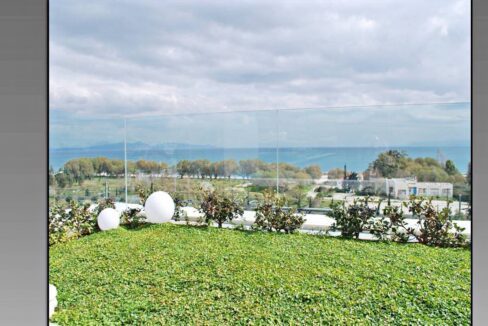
(479, 140)
(23, 162)
(24, 135)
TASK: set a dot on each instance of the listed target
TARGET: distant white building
(402, 188)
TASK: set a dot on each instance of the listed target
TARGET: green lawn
(179, 275)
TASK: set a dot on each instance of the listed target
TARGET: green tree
(148, 166)
(353, 176)
(80, 169)
(314, 171)
(183, 168)
(336, 173)
(451, 168)
(131, 167)
(248, 167)
(194, 169)
(205, 168)
(116, 167)
(63, 180)
(389, 163)
(230, 168)
(217, 169)
(299, 193)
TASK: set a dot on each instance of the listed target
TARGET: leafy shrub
(219, 208)
(434, 227)
(143, 192)
(387, 227)
(131, 218)
(104, 203)
(352, 219)
(179, 214)
(70, 222)
(272, 216)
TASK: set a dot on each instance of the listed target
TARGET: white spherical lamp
(108, 219)
(53, 302)
(159, 207)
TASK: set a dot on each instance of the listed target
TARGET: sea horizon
(356, 158)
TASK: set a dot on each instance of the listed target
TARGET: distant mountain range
(140, 146)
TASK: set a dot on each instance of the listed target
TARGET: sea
(355, 158)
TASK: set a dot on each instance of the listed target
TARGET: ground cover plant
(183, 275)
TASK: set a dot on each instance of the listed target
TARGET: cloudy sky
(113, 59)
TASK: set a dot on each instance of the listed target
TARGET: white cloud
(113, 58)
(440, 25)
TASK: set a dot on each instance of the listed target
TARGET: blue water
(356, 159)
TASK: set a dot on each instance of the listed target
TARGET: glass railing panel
(314, 157)
(229, 152)
(86, 158)
(329, 155)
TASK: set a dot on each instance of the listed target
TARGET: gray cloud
(139, 58)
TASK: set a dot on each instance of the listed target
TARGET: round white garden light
(159, 207)
(108, 219)
(53, 303)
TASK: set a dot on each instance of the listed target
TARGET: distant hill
(133, 146)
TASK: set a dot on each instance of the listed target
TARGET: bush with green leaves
(142, 192)
(104, 203)
(352, 219)
(434, 227)
(70, 222)
(389, 226)
(219, 208)
(179, 213)
(132, 218)
(271, 215)
(73, 220)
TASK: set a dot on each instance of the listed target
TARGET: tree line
(245, 168)
(80, 169)
(396, 164)
(389, 164)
